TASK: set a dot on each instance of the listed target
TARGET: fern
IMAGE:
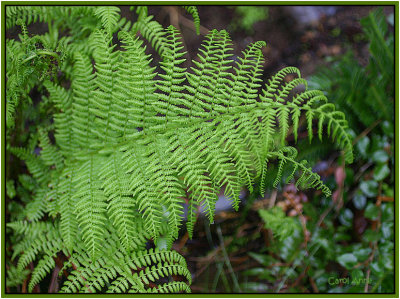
(195, 14)
(276, 220)
(109, 16)
(134, 142)
(364, 91)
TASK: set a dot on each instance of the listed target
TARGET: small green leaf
(362, 146)
(380, 156)
(387, 260)
(369, 188)
(347, 260)
(387, 230)
(387, 128)
(263, 259)
(357, 274)
(371, 236)
(359, 201)
(387, 212)
(388, 190)
(381, 172)
(256, 287)
(10, 189)
(261, 273)
(377, 269)
(346, 217)
(362, 254)
(371, 212)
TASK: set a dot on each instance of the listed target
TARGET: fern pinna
(133, 142)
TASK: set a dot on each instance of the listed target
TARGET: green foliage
(128, 142)
(356, 240)
(247, 16)
(328, 256)
(196, 19)
(364, 91)
(276, 220)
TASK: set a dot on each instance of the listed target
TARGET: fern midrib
(381, 38)
(110, 95)
(218, 76)
(172, 77)
(119, 188)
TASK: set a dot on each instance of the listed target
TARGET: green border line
(215, 3)
(397, 148)
(200, 3)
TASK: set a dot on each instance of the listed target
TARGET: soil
(292, 40)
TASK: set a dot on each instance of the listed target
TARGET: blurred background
(293, 241)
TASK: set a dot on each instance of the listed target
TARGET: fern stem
(41, 52)
(381, 38)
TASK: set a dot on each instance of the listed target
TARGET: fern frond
(26, 14)
(132, 146)
(274, 83)
(147, 200)
(119, 272)
(336, 128)
(141, 11)
(170, 87)
(62, 120)
(49, 154)
(90, 205)
(164, 182)
(105, 81)
(44, 267)
(82, 86)
(171, 287)
(36, 208)
(195, 14)
(307, 179)
(33, 162)
(121, 206)
(194, 172)
(109, 16)
(40, 237)
(136, 85)
(66, 202)
(153, 32)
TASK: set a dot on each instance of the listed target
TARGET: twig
(182, 242)
(272, 199)
(324, 214)
(210, 257)
(366, 282)
(366, 131)
(220, 266)
(362, 170)
(227, 261)
(375, 243)
(54, 282)
(313, 285)
(254, 264)
(190, 24)
(301, 276)
(295, 264)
